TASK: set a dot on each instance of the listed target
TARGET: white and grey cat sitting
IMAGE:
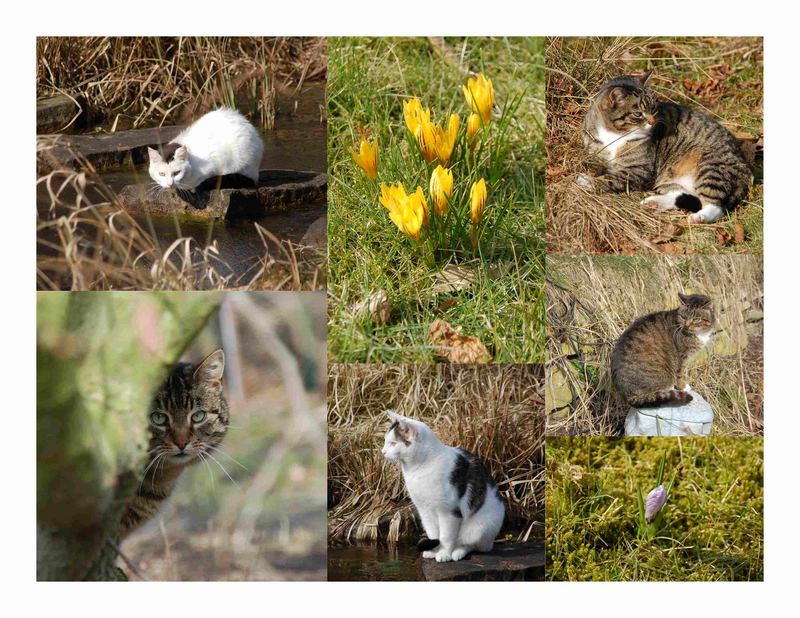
(454, 493)
(219, 143)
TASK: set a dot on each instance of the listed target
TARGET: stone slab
(277, 191)
(506, 562)
(105, 151)
(692, 419)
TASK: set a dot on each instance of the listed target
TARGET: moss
(713, 519)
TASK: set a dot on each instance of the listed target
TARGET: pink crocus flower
(655, 500)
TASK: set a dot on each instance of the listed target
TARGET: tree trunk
(100, 358)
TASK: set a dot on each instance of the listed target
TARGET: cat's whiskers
(150, 465)
(208, 467)
(215, 460)
(221, 452)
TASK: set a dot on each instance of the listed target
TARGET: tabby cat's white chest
(704, 337)
(611, 142)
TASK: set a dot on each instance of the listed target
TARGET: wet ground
(371, 563)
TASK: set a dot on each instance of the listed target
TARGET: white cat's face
(168, 171)
(402, 437)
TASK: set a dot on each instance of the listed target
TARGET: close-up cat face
(627, 104)
(189, 413)
(167, 169)
(696, 313)
(403, 435)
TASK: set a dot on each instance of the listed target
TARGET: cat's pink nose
(181, 442)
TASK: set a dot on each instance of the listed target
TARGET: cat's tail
(660, 398)
(427, 544)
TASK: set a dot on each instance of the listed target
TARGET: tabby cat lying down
(637, 142)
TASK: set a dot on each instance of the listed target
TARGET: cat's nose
(181, 442)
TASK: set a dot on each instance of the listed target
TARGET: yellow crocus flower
(408, 212)
(441, 188)
(477, 201)
(367, 158)
(446, 139)
(473, 126)
(412, 112)
(479, 93)
(427, 137)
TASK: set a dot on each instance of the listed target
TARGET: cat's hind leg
(707, 214)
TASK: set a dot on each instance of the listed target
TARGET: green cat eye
(159, 418)
(198, 417)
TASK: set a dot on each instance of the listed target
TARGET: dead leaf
(672, 249)
(378, 305)
(669, 233)
(452, 278)
(723, 237)
(738, 233)
(455, 347)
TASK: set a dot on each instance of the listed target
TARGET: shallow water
(371, 563)
(298, 142)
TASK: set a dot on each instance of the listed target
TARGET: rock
(316, 236)
(56, 112)
(277, 190)
(102, 151)
(506, 562)
(692, 419)
(557, 391)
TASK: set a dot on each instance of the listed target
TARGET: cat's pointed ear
(613, 98)
(683, 297)
(394, 416)
(181, 153)
(155, 156)
(211, 369)
(642, 79)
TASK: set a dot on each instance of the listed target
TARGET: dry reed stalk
(145, 81)
(592, 300)
(495, 412)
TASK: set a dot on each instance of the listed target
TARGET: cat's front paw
(585, 182)
(459, 553)
(443, 556)
(429, 554)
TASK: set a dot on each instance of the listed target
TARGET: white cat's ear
(394, 416)
(155, 156)
(211, 369)
(181, 153)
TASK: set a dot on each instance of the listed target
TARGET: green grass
(711, 525)
(504, 305)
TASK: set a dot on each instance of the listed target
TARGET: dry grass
(87, 241)
(495, 412)
(592, 300)
(151, 81)
(722, 76)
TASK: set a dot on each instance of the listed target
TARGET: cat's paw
(687, 388)
(459, 553)
(659, 202)
(585, 182)
(429, 554)
(443, 556)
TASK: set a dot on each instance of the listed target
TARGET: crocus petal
(479, 94)
(477, 201)
(653, 503)
(367, 158)
(441, 188)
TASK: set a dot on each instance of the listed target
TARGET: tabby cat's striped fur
(188, 421)
(637, 142)
(648, 364)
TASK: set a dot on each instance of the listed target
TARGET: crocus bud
(655, 500)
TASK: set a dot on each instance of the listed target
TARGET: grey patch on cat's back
(470, 473)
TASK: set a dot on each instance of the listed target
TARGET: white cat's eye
(158, 418)
(199, 416)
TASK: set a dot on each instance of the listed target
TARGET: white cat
(455, 495)
(221, 142)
